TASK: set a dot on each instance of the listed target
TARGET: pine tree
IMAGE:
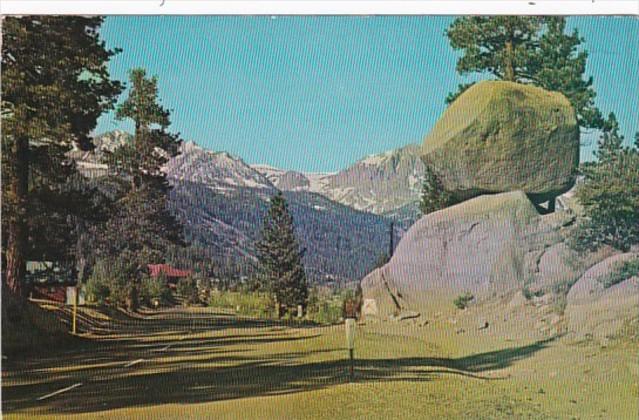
(610, 144)
(526, 49)
(559, 64)
(142, 227)
(610, 194)
(280, 257)
(55, 84)
(434, 196)
(500, 45)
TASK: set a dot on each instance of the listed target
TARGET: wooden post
(75, 310)
(352, 370)
(349, 325)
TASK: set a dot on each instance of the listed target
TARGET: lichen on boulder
(503, 136)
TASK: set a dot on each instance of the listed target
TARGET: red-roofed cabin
(172, 274)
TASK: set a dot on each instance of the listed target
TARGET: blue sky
(318, 93)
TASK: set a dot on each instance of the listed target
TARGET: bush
(609, 195)
(256, 304)
(328, 307)
(204, 289)
(434, 196)
(463, 300)
(622, 271)
(529, 294)
(97, 289)
(155, 289)
(111, 281)
(187, 287)
(326, 312)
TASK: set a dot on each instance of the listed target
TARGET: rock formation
(503, 136)
(490, 246)
(594, 311)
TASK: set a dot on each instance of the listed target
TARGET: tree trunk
(132, 299)
(17, 235)
(509, 69)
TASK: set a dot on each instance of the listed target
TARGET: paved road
(164, 356)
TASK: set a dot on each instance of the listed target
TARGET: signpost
(72, 295)
(350, 344)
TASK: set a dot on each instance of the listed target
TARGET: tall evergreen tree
(280, 257)
(55, 84)
(500, 45)
(527, 49)
(142, 228)
(559, 64)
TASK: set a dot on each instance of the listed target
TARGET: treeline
(55, 86)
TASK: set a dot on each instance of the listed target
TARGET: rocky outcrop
(491, 246)
(516, 265)
(594, 311)
(503, 136)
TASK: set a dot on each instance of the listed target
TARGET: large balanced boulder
(504, 136)
(490, 246)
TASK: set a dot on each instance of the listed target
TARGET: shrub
(326, 312)
(111, 281)
(609, 195)
(529, 294)
(154, 289)
(187, 287)
(463, 300)
(97, 289)
(434, 196)
(249, 303)
(622, 271)
(328, 307)
(204, 288)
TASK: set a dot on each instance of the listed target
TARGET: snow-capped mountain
(221, 201)
(90, 162)
(217, 170)
(377, 184)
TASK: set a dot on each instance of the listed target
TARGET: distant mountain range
(377, 184)
(342, 218)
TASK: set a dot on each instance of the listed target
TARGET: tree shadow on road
(211, 374)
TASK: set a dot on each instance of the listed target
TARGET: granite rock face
(490, 246)
(503, 136)
(594, 311)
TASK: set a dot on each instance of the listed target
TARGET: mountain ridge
(378, 183)
(221, 202)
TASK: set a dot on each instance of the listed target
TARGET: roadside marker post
(75, 310)
(350, 344)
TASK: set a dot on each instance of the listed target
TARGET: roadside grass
(250, 304)
(206, 363)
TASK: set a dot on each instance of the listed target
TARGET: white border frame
(321, 7)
